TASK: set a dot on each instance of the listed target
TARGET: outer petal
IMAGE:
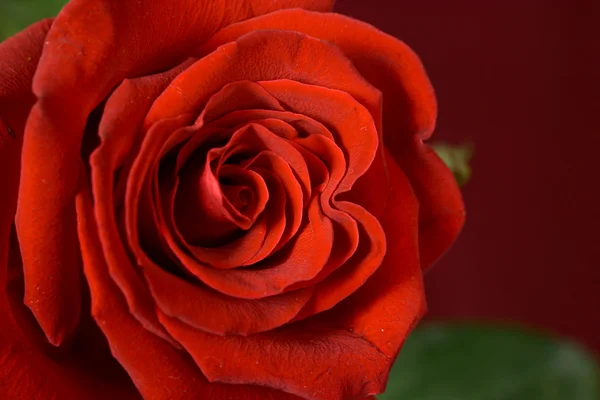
(308, 359)
(19, 57)
(26, 372)
(158, 369)
(264, 55)
(442, 212)
(55, 304)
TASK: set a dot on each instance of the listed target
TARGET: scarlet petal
(231, 254)
(354, 131)
(119, 130)
(392, 301)
(409, 107)
(285, 208)
(54, 302)
(25, 371)
(69, 84)
(353, 274)
(28, 373)
(160, 137)
(19, 56)
(299, 261)
(211, 311)
(261, 237)
(236, 96)
(158, 370)
(353, 126)
(308, 359)
(266, 6)
(95, 29)
(441, 208)
(263, 56)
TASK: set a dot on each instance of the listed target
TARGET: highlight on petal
(261, 56)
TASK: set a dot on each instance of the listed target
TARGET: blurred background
(519, 79)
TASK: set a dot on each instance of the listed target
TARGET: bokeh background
(521, 80)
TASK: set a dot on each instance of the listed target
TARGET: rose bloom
(224, 199)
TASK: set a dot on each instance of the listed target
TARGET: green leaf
(16, 15)
(471, 362)
(457, 159)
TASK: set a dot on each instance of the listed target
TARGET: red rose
(239, 198)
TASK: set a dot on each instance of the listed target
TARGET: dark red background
(521, 79)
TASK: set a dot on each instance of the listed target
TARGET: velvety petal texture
(28, 370)
(213, 199)
(409, 110)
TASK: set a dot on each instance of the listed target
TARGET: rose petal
(54, 302)
(69, 83)
(285, 211)
(350, 276)
(354, 131)
(441, 208)
(410, 108)
(392, 301)
(95, 30)
(19, 56)
(121, 121)
(232, 98)
(299, 261)
(158, 370)
(231, 254)
(309, 360)
(25, 371)
(18, 59)
(200, 202)
(211, 311)
(351, 123)
(160, 137)
(303, 125)
(261, 238)
(237, 96)
(260, 56)
(390, 65)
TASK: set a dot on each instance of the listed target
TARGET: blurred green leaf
(16, 15)
(457, 158)
(469, 362)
